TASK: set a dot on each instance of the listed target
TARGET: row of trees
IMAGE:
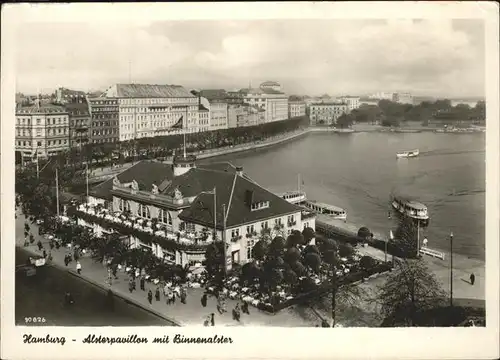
(164, 146)
(389, 113)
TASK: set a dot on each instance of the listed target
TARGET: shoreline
(277, 140)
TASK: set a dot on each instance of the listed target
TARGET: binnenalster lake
(359, 171)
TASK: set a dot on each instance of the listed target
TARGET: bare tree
(409, 290)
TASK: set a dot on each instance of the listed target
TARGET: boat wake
(448, 152)
(467, 192)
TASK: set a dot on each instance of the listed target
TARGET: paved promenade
(192, 313)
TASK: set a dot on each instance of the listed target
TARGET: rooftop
(237, 192)
(214, 94)
(147, 91)
(270, 83)
(44, 108)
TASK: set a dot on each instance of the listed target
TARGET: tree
(292, 255)
(345, 121)
(299, 268)
(406, 237)
(259, 250)
(249, 272)
(294, 239)
(367, 262)
(308, 234)
(409, 290)
(290, 277)
(311, 249)
(346, 250)
(277, 246)
(364, 233)
(313, 261)
(215, 262)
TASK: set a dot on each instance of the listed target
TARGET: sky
(440, 57)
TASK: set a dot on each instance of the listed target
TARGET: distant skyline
(439, 57)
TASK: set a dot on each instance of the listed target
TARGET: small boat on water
(408, 154)
(412, 209)
(294, 197)
(326, 209)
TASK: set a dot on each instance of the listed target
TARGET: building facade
(274, 103)
(63, 96)
(154, 110)
(271, 85)
(42, 130)
(79, 122)
(296, 109)
(189, 207)
(352, 102)
(326, 113)
(203, 118)
(402, 98)
(103, 120)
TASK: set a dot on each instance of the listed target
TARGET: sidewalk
(188, 314)
(463, 266)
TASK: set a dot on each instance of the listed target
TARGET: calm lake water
(359, 172)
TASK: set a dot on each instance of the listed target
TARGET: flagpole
(215, 214)
(184, 132)
(57, 193)
(37, 167)
(224, 238)
(87, 180)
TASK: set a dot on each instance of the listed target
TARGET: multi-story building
(351, 101)
(79, 121)
(326, 113)
(64, 96)
(189, 207)
(296, 109)
(203, 118)
(402, 98)
(154, 110)
(104, 120)
(42, 130)
(270, 85)
(274, 103)
(215, 101)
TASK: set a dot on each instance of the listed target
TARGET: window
(250, 245)
(250, 229)
(264, 225)
(39, 143)
(124, 205)
(235, 233)
(38, 121)
(165, 217)
(260, 205)
(277, 221)
(143, 211)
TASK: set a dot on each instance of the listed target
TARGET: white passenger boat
(294, 197)
(326, 209)
(408, 154)
(412, 209)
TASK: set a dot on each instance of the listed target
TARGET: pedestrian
(204, 300)
(173, 297)
(472, 278)
(157, 294)
(130, 286)
(236, 312)
(78, 267)
(219, 305)
(39, 244)
(51, 244)
(44, 254)
(207, 321)
(183, 295)
(150, 297)
(66, 260)
(212, 319)
(244, 308)
(142, 283)
(76, 254)
(50, 255)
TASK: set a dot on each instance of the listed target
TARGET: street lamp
(451, 269)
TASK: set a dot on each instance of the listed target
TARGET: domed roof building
(271, 85)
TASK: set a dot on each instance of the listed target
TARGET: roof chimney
(239, 170)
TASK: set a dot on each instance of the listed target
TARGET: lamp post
(451, 269)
